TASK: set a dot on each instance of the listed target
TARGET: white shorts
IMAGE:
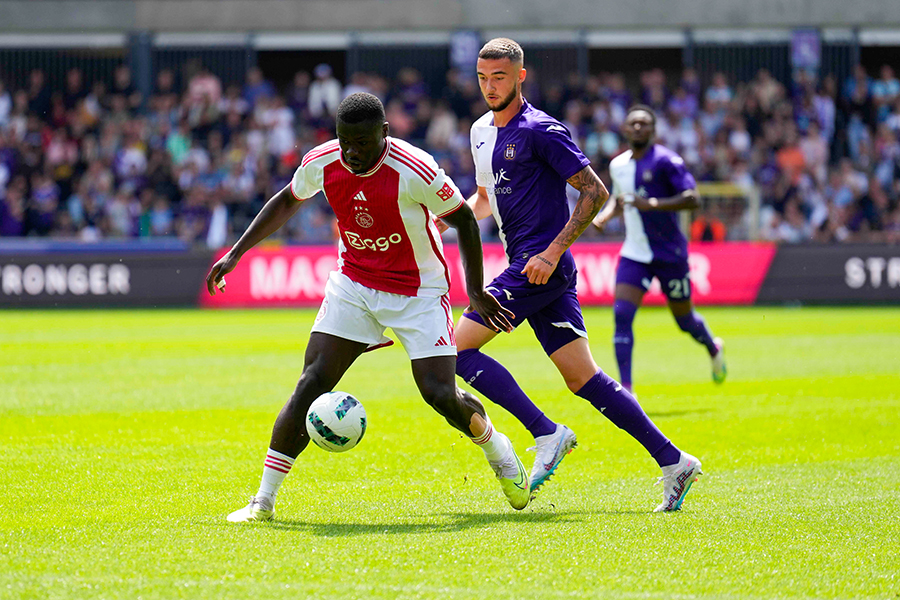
(355, 312)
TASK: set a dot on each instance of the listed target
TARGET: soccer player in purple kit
(523, 159)
(650, 184)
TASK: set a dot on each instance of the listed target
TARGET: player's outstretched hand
(492, 313)
(216, 277)
(539, 268)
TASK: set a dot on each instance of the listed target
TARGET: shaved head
(500, 48)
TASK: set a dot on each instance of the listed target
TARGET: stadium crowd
(92, 161)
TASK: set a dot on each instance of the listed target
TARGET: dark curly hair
(360, 108)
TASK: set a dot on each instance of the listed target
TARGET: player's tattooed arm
(593, 195)
(276, 212)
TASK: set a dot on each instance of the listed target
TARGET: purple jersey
(660, 173)
(524, 167)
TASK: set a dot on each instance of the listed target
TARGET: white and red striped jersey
(386, 216)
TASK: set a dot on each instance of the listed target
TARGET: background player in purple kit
(650, 184)
(523, 159)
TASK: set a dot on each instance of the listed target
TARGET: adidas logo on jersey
(360, 197)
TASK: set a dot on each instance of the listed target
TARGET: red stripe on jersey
(313, 154)
(434, 245)
(451, 211)
(416, 160)
(418, 171)
(296, 197)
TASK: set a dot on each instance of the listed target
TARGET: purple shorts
(552, 310)
(674, 277)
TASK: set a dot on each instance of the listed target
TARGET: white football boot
(261, 508)
(677, 480)
(549, 451)
(719, 371)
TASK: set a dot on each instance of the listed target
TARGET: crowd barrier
(846, 274)
(102, 277)
(723, 273)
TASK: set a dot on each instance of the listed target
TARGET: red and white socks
(495, 445)
(276, 468)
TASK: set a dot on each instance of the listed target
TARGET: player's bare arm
(610, 211)
(466, 225)
(277, 211)
(686, 200)
(593, 195)
(478, 202)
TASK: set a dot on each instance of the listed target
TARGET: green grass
(126, 437)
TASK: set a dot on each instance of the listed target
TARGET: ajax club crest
(364, 220)
(510, 152)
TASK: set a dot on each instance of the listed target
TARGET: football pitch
(127, 436)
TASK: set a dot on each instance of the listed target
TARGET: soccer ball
(336, 421)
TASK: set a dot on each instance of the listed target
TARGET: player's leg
(436, 379)
(676, 284)
(418, 322)
(491, 379)
(632, 282)
(327, 359)
(342, 331)
(587, 380)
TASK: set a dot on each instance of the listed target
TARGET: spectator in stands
(204, 88)
(123, 87)
(257, 87)
(324, 94)
(83, 161)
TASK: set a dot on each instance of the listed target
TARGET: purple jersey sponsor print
(660, 173)
(524, 167)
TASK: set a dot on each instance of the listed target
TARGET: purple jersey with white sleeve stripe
(660, 173)
(524, 167)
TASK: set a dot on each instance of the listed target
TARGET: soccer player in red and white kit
(391, 272)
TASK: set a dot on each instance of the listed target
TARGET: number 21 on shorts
(680, 288)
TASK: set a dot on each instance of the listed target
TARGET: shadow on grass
(441, 523)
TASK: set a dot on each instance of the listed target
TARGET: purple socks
(623, 340)
(495, 383)
(620, 407)
(694, 324)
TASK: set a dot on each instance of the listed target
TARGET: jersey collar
(376, 166)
